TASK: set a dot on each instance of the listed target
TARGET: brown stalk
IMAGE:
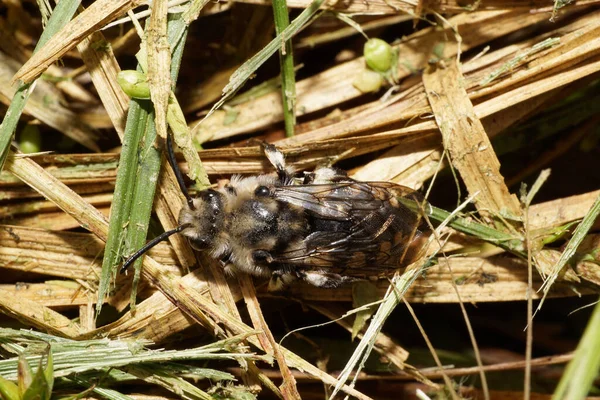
(91, 19)
(34, 314)
(467, 142)
(103, 68)
(334, 85)
(288, 387)
(53, 294)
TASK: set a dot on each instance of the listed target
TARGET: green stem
(286, 60)
(502, 239)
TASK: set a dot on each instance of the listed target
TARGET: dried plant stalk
(53, 294)
(467, 142)
(100, 61)
(288, 387)
(41, 317)
(90, 20)
(334, 85)
(45, 104)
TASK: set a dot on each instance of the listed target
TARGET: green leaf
(137, 120)
(8, 389)
(41, 385)
(582, 370)
(149, 168)
(137, 177)
(25, 375)
(363, 292)
(49, 372)
(286, 61)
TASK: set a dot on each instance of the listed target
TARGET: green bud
(134, 84)
(378, 54)
(30, 139)
(368, 81)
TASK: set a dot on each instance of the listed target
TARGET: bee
(323, 228)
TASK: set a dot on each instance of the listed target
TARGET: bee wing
(342, 200)
(356, 225)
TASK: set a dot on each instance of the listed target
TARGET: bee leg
(277, 159)
(324, 279)
(230, 270)
(280, 280)
(262, 256)
(323, 175)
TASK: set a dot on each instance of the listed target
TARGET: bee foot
(325, 279)
(279, 282)
(229, 270)
(262, 256)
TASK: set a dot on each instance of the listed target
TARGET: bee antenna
(151, 244)
(178, 174)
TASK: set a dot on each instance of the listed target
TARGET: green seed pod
(378, 54)
(134, 84)
(30, 139)
(368, 81)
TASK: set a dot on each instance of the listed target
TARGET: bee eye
(199, 243)
(262, 191)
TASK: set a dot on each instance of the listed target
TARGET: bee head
(205, 217)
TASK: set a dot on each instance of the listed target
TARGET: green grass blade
(62, 14)
(582, 370)
(137, 121)
(150, 162)
(578, 235)
(168, 375)
(499, 238)
(286, 60)
(9, 390)
(146, 177)
(109, 394)
(136, 178)
(77, 357)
